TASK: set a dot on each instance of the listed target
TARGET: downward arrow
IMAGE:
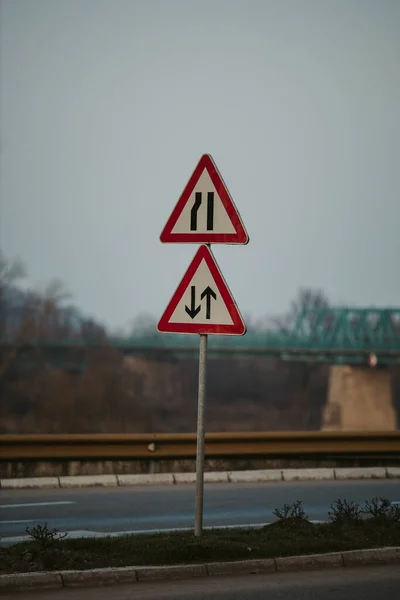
(193, 311)
(208, 293)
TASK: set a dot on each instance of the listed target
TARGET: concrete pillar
(359, 399)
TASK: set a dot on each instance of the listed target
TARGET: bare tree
(11, 272)
(144, 325)
(26, 315)
(307, 299)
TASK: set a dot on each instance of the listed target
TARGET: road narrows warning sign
(202, 302)
(205, 211)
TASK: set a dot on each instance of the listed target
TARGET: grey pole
(198, 529)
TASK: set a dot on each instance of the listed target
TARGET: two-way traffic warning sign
(205, 212)
(202, 302)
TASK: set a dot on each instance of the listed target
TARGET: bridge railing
(332, 335)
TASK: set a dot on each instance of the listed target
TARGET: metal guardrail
(223, 445)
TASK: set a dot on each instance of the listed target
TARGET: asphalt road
(341, 584)
(166, 507)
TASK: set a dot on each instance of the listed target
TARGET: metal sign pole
(198, 529)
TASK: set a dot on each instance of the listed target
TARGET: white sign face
(205, 212)
(202, 302)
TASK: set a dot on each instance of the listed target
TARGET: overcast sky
(107, 105)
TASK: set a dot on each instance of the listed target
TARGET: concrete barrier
(216, 477)
(254, 476)
(209, 477)
(146, 479)
(393, 472)
(30, 483)
(361, 473)
(184, 478)
(307, 474)
(88, 481)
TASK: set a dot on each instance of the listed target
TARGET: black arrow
(208, 292)
(193, 311)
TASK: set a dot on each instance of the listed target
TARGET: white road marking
(22, 521)
(35, 504)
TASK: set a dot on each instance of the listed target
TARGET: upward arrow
(208, 293)
(192, 311)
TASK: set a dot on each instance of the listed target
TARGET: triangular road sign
(202, 302)
(205, 212)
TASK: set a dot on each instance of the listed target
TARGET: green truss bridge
(340, 336)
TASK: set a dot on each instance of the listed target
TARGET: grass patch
(291, 535)
(174, 548)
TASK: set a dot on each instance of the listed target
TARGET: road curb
(254, 476)
(30, 581)
(113, 576)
